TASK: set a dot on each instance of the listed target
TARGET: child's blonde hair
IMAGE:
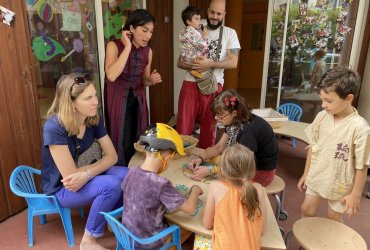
(238, 166)
(67, 90)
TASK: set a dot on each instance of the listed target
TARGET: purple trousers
(104, 194)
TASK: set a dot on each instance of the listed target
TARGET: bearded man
(193, 105)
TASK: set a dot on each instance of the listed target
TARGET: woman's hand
(126, 38)
(75, 181)
(199, 173)
(194, 161)
(155, 77)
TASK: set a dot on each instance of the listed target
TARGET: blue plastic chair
(126, 239)
(294, 113)
(22, 183)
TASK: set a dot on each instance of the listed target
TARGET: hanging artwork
(46, 48)
(78, 46)
(71, 21)
(44, 10)
(113, 23)
(6, 16)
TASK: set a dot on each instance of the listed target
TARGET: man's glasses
(221, 117)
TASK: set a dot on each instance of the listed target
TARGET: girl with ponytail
(235, 206)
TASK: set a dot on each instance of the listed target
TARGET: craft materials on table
(188, 172)
(184, 191)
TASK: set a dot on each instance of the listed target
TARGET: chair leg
(81, 210)
(30, 228)
(65, 215)
(42, 219)
(278, 206)
(287, 239)
(177, 239)
(283, 214)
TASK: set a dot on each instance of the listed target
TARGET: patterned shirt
(192, 44)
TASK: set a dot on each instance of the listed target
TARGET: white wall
(178, 74)
(364, 99)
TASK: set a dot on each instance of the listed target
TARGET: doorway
(252, 52)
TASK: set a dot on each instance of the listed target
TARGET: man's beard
(213, 26)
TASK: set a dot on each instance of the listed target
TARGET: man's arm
(183, 65)
(230, 62)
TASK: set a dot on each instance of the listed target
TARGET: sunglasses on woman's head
(81, 80)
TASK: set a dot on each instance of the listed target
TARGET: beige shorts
(335, 205)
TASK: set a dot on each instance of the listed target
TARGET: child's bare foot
(89, 242)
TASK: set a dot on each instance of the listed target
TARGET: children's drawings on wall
(44, 10)
(113, 23)
(78, 46)
(46, 48)
(71, 21)
(31, 2)
(76, 7)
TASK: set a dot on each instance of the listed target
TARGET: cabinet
(20, 126)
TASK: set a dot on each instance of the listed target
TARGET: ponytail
(249, 199)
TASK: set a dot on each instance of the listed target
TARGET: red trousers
(194, 107)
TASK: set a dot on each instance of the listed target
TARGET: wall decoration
(78, 46)
(6, 16)
(71, 21)
(77, 9)
(113, 23)
(46, 48)
(44, 10)
(31, 2)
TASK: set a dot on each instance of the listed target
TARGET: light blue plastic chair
(126, 239)
(294, 113)
(22, 183)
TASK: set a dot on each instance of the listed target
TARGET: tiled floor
(13, 232)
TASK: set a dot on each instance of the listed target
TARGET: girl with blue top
(72, 126)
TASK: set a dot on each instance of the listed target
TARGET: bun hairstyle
(238, 167)
(228, 101)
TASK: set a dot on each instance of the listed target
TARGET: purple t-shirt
(146, 197)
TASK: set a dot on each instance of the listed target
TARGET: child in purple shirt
(146, 195)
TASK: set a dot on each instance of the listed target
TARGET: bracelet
(210, 170)
(215, 169)
(201, 158)
(89, 176)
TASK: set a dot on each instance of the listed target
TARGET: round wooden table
(293, 129)
(271, 239)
